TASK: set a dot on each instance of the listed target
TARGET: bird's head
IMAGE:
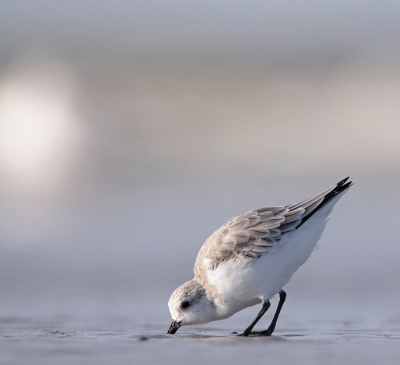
(189, 305)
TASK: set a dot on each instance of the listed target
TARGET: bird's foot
(267, 332)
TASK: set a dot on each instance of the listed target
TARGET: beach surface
(116, 340)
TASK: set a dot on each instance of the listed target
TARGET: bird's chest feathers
(235, 286)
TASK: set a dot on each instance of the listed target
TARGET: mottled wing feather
(251, 234)
(254, 233)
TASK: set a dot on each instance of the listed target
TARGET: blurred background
(131, 130)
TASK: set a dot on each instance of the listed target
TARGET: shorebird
(249, 259)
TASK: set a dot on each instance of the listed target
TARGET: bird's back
(254, 255)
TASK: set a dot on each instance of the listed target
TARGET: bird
(249, 260)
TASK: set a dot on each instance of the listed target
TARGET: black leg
(264, 308)
(271, 328)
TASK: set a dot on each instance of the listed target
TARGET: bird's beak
(174, 327)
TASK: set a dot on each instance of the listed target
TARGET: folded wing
(254, 233)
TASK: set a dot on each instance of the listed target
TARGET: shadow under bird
(249, 260)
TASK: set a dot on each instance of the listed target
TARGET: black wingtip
(340, 187)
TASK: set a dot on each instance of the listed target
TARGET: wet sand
(69, 340)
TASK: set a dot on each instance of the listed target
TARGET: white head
(189, 305)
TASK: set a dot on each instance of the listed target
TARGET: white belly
(241, 284)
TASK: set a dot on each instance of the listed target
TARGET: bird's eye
(185, 304)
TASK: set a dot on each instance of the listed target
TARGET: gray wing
(256, 232)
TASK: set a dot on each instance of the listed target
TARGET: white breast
(241, 283)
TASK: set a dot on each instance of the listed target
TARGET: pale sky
(234, 23)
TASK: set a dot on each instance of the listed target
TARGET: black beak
(174, 327)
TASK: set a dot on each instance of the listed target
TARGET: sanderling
(249, 260)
